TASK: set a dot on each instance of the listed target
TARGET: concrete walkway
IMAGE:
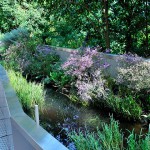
(6, 139)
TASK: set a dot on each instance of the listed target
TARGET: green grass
(109, 138)
(29, 93)
(135, 142)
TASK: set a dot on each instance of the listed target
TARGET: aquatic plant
(109, 138)
(29, 93)
(135, 142)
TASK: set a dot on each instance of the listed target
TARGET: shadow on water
(61, 116)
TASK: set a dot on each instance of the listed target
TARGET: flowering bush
(135, 73)
(17, 57)
(88, 89)
(78, 64)
(84, 68)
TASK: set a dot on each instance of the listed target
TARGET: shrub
(39, 66)
(135, 74)
(89, 89)
(16, 57)
(19, 54)
(15, 36)
(89, 81)
(29, 93)
(59, 78)
(126, 106)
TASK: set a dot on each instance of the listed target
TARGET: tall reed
(29, 93)
(109, 138)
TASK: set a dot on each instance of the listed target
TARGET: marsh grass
(29, 93)
(85, 141)
(135, 142)
(109, 138)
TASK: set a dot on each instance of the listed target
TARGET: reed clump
(29, 93)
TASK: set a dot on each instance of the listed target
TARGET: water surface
(61, 116)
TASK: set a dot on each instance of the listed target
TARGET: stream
(61, 116)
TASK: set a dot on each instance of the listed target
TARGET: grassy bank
(29, 93)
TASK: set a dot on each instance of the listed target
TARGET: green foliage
(15, 36)
(30, 16)
(40, 66)
(109, 138)
(24, 15)
(62, 34)
(85, 142)
(127, 25)
(29, 93)
(117, 47)
(6, 15)
(126, 106)
(59, 78)
(78, 23)
(138, 142)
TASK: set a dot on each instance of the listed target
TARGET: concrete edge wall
(26, 134)
(108, 58)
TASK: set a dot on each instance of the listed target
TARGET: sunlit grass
(29, 93)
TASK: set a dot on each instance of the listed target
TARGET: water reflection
(60, 116)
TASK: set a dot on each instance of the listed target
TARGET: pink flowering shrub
(83, 67)
(78, 63)
(88, 89)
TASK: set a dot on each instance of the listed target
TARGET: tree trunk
(106, 32)
(146, 20)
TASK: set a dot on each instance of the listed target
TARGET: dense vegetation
(109, 138)
(121, 26)
(98, 26)
(29, 93)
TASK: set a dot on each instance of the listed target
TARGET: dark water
(60, 116)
